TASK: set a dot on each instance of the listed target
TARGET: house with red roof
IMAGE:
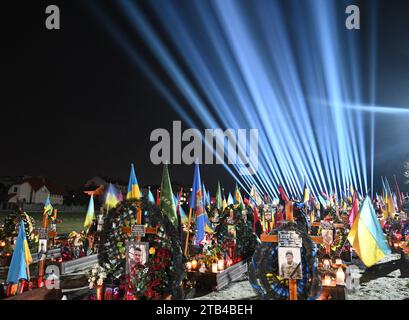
(35, 190)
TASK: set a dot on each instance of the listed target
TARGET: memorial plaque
(43, 233)
(289, 239)
(138, 230)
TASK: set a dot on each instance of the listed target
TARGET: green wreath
(264, 269)
(114, 241)
(246, 240)
(12, 225)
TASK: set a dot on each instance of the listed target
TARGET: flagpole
(41, 263)
(188, 231)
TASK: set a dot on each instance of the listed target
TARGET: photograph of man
(136, 257)
(289, 260)
(231, 230)
(42, 250)
(327, 236)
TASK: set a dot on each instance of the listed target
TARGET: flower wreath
(164, 271)
(12, 224)
(264, 269)
(246, 239)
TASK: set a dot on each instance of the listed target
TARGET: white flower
(91, 285)
(100, 282)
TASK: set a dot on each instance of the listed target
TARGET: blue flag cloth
(151, 198)
(21, 258)
(196, 204)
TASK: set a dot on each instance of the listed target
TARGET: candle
(327, 280)
(194, 264)
(340, 276)
(214, 267)
(220, 265)
(338, 261)
(188, 266)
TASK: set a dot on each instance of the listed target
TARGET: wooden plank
(151, 230)
(317, 239)
(269, 237)
(292, 284)
(126, 229)
(79, 264)
(39, 294)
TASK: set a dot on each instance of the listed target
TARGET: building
(34, 190)
(98, 181)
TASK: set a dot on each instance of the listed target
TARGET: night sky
(73, 106)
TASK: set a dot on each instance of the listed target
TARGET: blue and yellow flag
(48, 208)
(224, 203)
(111, 197)
(196, 204)
(366, 235)
(133, 187)
(306, 194)
(238, 200)
(183, 217)
(90, 217)
(21, 258)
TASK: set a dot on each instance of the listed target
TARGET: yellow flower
(152, 250)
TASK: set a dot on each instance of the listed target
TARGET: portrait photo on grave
(328, 236)
(137, 254)
(289, 261)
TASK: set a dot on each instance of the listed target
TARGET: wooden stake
(289, 211)
(188, 231)
(41, 263)
(292, 284)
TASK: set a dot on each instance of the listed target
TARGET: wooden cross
(317, 239)
(292, 283)
(149, 230)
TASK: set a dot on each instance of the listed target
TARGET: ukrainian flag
(111, 198)
(366, 235)
(224, 203)
(48, 208)
(90, 217)
(238, 200)
(133, 187)
(306, 195)
(21, 259)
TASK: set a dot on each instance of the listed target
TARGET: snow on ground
(383, 281)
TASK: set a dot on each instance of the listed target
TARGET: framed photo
(231, 230)
(137, 254)
(100, 222)
(268, 216)
(42, 249)
(289, 262)
(328, 236)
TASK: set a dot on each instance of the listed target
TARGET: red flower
(163, 253)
